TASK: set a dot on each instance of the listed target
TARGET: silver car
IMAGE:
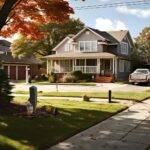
(140, 76)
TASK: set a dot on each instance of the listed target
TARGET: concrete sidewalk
(128, 130)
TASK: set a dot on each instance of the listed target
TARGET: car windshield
(145, 71)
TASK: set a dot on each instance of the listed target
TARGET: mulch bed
(13, 109)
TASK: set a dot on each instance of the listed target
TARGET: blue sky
(132, 18)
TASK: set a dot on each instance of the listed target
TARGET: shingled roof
(119, 35)
(4, 46)
(109, 38)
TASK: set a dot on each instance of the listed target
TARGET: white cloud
(141, 13)
(105, 24)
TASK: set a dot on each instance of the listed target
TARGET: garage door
(6, 69)
(21, 72)
(13, 72)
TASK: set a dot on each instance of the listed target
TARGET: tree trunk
(5, 11)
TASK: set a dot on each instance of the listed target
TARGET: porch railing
(86, 69)
(62, 70)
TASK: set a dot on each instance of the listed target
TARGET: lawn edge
(73, 134)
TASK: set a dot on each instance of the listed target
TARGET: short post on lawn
(109, 96)
(33, 97)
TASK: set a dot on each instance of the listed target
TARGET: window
(121, 65)
(80, 62)
(124, 48)
(67, 47)
(88, 46)
(91, 62)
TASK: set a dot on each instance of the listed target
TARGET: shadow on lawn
(42, 132)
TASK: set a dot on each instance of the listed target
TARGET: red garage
(18, 69)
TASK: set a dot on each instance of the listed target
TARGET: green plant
(69, 78)
(52, 77)
(5, 88)
(87, 77)
(41, 77)
(77, 74)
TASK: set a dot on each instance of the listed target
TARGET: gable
(88, 35)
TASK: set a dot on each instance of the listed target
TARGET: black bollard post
(33, 97)
(109, 96)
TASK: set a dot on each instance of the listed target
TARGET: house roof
(109, 38)
(4, 46)
(80, 55)
(118, 35)
(7, 57)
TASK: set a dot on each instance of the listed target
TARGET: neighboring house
(17, 69)
(105, 55)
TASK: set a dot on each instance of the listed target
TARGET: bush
(41, 77)
(87, 77)
(52, 77)
(69, 78)
(77, 74)
(5, 88)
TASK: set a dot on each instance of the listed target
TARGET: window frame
(91, 46)
(124, 48)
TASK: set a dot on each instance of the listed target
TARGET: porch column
(116, 67)
(16, 72)
(84, 65)
(48, 66)
(27, 74)
(113, 66)
(9, 71)
(59, 66)
(98, 66)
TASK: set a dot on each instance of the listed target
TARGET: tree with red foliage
(25, 16)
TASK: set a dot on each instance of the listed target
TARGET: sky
(132, 18)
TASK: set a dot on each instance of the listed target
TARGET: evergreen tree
(5, 89)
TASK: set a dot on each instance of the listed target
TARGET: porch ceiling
(80, 55)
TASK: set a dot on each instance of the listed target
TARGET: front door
(106, 67)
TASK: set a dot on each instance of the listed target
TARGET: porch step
(104, 79)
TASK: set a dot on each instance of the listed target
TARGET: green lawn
(39, 133)
(135, 96)
(48, 83)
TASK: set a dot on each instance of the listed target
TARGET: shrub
(41, 77)
(77, 74)
(52, 77)
(69, 78)
(5, 88)
(87, 77)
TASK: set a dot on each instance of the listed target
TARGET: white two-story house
(99, 53)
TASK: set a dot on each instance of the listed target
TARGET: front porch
(104, 67)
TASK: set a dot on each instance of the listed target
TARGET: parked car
(140, 76)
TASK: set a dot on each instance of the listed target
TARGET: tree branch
(5, 11)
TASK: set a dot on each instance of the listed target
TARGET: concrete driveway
(80, 88)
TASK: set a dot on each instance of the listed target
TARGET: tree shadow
(41, 132)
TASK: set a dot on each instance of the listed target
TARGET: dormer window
(88, 46)
(124, 48)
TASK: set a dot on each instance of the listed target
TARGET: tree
(24, 16)
(5, 89)
(142, 48)
(143, 43)
(53, 34)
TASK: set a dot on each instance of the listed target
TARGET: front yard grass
(42, 132)
(48, 83)
(135, 96)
